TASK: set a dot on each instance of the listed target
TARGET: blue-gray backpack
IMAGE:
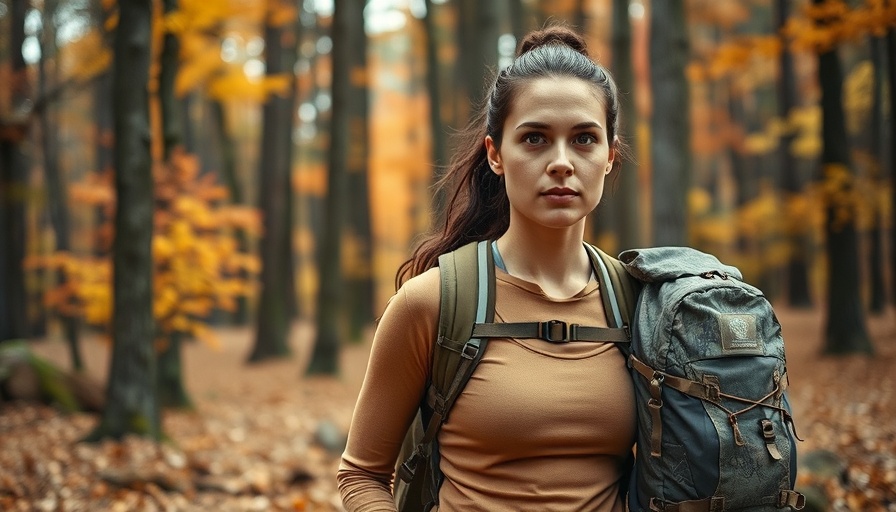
(715, 431)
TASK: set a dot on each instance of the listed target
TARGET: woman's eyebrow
(545, 126)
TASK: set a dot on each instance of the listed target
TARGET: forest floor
(259, 435)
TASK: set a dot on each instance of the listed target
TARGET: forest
(203, 205)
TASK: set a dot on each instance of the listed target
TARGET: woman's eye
(533, 138)
(585, 138)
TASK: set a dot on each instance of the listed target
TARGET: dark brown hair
(478, 208)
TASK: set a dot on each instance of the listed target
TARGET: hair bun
(552, 35)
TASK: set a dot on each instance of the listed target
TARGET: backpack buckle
(409, 467)
(555, 331)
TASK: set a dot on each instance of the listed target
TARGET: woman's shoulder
(412, 315)
(420, 294)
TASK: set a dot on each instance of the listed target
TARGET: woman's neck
(554, 259)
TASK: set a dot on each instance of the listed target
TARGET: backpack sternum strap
(554, 331)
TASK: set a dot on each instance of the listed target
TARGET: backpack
(715, 431)
(466, 317)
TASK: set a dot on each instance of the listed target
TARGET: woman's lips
(560, 194)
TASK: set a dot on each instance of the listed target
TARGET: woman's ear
(612, 155)
(493, 155)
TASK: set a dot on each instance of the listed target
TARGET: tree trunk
(436, 126)
(172, 122)
(580, 17)
(171, 390)
(799, 235)
(102, 113)
(602, 228)
(878, 293)
(479, 46)
(746, 180)
(670, 134)
(312, 203)
(519, 19)
(13, 183)
(57, 199)
(359, 282)
(277, 278)
(131, 405)
(845, 330)
(188, 136)
(625, 190)
(325, 358)
(891, 58)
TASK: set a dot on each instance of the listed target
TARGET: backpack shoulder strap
(467, 297)
(619, 290)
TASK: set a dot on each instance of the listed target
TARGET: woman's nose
(560, 163)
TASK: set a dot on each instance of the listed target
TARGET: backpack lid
(668, 263)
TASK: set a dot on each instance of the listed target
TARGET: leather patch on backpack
(739, 334)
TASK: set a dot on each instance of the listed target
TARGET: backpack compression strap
(709, 392)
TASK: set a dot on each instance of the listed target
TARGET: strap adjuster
(557, 331)
(470, 351)
(409, 467)
(792, 499)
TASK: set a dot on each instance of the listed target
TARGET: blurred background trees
(289, 150)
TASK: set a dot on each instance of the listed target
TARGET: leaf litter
(263, 437)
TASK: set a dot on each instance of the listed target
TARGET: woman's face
(554, 152)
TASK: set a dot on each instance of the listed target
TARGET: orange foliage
(197, 262)
(824, 26)
(818, 28)
(85, 58)
(281, 14)
(201, 27)
(770, 220)
(841, 194)
(311, 179)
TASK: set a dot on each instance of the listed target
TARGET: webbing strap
(785, 499)
(555, 331)
(608, 283)
(482, 300)
(693, 388)
(714, 504)
(439, 406)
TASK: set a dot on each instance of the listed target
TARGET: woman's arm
(393, 386)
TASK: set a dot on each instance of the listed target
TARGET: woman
(539, 426)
